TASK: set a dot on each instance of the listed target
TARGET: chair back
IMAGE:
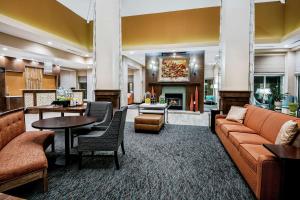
(102, 110)
(115, 130)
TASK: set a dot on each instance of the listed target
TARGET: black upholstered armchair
(109, 140)
(102, 110)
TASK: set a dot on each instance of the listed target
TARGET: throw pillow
(236, 114)
(287, 132)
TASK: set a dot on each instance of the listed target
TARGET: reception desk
(45, 97)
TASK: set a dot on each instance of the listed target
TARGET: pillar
(290, 78)
(107, 47)
(237, 53)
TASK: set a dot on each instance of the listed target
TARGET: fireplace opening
(175, 100)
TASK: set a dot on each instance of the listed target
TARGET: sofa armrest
(268, 171)
(220, 116)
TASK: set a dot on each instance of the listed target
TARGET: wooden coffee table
(64, 123)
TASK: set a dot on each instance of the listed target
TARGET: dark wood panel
(2, 90)
(110, 96)
(233, 98)
(14, 103)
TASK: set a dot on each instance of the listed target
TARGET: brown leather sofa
(244, 143)
(22, 155)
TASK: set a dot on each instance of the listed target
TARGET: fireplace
(175, 100)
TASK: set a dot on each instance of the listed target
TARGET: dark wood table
(64, 123)
(289, 158)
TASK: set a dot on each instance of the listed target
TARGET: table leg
(81, 113)
(62, 114)
(40, 115)
(67, 145)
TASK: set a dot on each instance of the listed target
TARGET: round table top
(63, 122)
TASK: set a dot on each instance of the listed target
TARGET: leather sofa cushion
(221, 121)
(151, 119)
(246, 138)
(11, 125)
(226, 128)
(256, 117)
(24, 154)
(273, 123)
(251, 153)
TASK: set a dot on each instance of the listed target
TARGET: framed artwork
(173, 69)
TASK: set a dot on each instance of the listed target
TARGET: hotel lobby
(140, 99)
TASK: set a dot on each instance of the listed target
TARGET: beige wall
(50, 16)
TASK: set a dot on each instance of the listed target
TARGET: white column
(108, 44)
(236, 37)
(290, 78)
(138, 85)
(90, 86)
(124, 85)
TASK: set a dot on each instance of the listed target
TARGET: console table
(157, 108)
(289, 158)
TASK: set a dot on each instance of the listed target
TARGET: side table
(289, 158)
(212, 121)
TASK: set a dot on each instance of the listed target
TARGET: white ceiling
(84, 8)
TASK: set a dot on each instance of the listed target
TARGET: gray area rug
(182, 162)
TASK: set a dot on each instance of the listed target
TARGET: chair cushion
(251, 152)
(246, 138)
(226, 128)
(221, 121)
(24, 154)
(151, 119)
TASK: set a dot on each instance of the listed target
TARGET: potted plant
(277, 97)
(293, 108)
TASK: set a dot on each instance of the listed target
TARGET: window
(209, 87)
(264, 85)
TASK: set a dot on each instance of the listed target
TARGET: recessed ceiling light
(19, 59)
(131, 52)
(4, 49)
(86, 55)
(50, 43)
(286, 46)
(173, 50)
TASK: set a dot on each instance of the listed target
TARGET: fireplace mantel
(175, 83)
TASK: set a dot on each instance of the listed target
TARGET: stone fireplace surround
(196, 79)
(176, 92)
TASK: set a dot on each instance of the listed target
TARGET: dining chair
(102, 110)
(109, 140)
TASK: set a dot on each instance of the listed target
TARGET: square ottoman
(148, 122)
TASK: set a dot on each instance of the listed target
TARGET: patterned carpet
(182, 162)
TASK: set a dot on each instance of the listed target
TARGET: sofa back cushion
(273, 124)
(255, 117)
(12, 124)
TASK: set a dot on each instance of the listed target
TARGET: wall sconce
(194, 68)
(153, 69)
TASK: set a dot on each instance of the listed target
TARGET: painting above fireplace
(173, 69)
